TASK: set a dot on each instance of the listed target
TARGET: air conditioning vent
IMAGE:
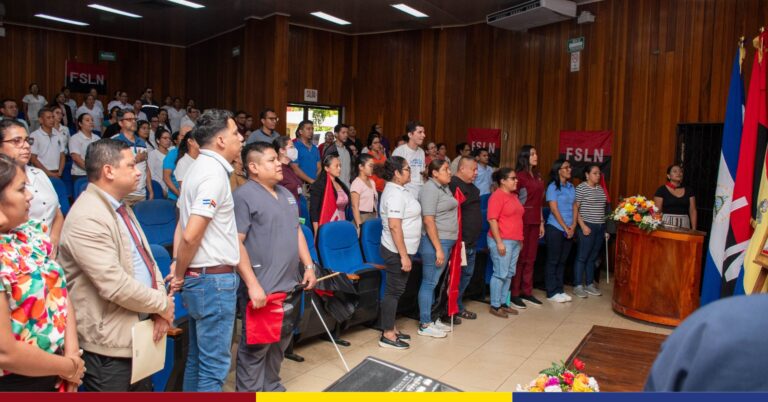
(531, 14)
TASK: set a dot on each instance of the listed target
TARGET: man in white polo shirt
(48, 149)
(208, 250)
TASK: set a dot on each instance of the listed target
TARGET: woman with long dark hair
(376, 149)
(530, 188)
(287, 153)
(329, 174)
(157, 156)
(591, 206)
(560, 228)
(78, 145)
(676, 202)
(364, 197)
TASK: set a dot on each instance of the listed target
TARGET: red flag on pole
(755, 125)
(263, 325)
(328, 207)
(454, 272)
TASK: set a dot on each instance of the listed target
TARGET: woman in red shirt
(530, 190)
(505, 216)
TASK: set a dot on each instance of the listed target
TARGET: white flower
(520, 388)
(593, 384)
(553, 388)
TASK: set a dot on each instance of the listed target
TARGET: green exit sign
(107, 56)
(575, 44)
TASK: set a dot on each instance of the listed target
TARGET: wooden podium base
(658, 274)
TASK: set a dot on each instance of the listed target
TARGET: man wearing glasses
(127, 121)
(148, 105)
(267, 131)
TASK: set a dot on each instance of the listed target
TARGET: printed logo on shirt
(291, 200)
(209, 203)
(416, 162)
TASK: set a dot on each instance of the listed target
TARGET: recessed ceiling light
(410, 10)
(113, 10)
(64, 20)
(328, 17)
(187, 3)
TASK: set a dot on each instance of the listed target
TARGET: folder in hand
(148, 356)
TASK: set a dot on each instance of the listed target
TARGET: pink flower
(553, 381)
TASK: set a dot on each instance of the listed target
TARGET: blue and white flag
(712, 286)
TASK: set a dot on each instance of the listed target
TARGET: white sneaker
(431, 330)
(558, 298)
(566, 296)
(443, 327)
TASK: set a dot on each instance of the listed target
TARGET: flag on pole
(755, 125)
(751, 270)
(712, 283)
(454, 265)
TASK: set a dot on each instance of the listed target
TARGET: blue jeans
(503, 270)
(466, 274)
(211, 302)
(558, 248)
(430, 275)
(587, 252)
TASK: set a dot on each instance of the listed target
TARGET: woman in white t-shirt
(61, 129)
(157, 155)
(32, 103)
(97, 103)
(78, 145)
(400, 236)
(188, 152)
(89, 106)
(175, 114)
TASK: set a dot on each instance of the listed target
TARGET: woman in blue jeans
(441, 229)
(560, 229)
(505, 217)
(590, 203)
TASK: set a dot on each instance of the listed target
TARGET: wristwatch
(308, 267)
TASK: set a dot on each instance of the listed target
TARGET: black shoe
(531, 300)
(517, 302)
(403, 336)
(384, 342)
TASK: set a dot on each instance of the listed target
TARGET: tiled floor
(487, 354)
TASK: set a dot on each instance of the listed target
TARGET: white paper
(148, 356)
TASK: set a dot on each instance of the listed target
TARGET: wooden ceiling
(168, 23)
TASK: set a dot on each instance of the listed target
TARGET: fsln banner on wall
(488, 138)
(81, 77)
(582, 148)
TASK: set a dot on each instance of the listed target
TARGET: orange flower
(632, 200)
(637, 218)
(624, 219)
(60, 322)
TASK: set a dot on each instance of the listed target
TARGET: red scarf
(454, 266)
(672, 185)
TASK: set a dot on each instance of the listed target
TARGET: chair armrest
(377, 266)
(174, 332)
(353, 277)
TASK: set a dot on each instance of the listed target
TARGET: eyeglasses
(19, 141)
(129, 118)
(514, 178)
(406, 169)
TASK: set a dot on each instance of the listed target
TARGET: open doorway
(324, 117)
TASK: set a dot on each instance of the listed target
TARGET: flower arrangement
(560, 378)
(638, 210)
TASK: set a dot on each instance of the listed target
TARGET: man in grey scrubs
(268, 225)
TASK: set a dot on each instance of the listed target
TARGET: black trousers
(111, 374)
(22, 383)
(558, 248)
(394, 288)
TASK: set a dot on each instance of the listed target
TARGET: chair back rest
(310, 242)
(163, 260)
(157, 189)
(338, 246)
(79, 187)
(370, 239)
(61, 193)
(157, 219)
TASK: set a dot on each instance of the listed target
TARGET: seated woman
(322, 211)
(38, 333)
(677, 203)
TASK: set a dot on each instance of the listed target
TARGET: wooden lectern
(658, 274)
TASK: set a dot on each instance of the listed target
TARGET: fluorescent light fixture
(410, 10)
(114, 11)
(187, 3)
(64, 20)
(328, 17)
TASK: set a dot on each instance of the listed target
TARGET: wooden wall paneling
(214, 76)
(275, 78)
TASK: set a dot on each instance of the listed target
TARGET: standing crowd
(73, 288)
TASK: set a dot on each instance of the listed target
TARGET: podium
(658, 274)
